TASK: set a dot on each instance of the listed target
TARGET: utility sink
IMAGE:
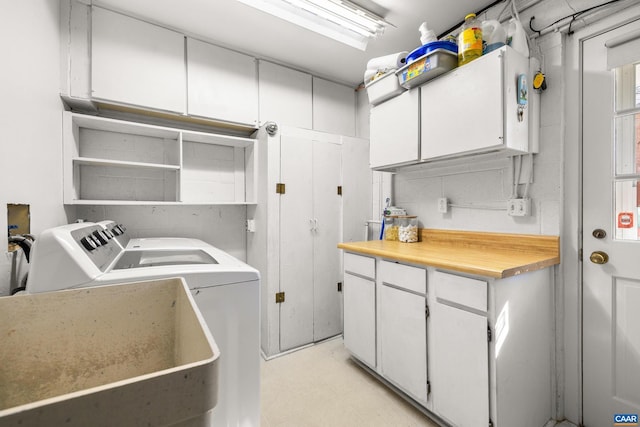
(136, 354)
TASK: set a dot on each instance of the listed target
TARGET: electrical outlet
(443, 205)
(519, 207)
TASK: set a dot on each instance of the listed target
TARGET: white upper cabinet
(474, 108)
(485, 106)
(285, 96)
(395, 131)
(136, 63)
(222, 84)
(334, 108)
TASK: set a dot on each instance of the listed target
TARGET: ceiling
(237, 26)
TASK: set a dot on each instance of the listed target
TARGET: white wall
(30, 117)
(222, 226)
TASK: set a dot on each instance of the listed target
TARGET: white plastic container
(517, 37)
(426, 35)
(493, 35)
(383, 88)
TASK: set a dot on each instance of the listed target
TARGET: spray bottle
(427, 35)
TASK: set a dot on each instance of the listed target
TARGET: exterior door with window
(611, 246)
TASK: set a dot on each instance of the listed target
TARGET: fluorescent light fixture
(340, 20)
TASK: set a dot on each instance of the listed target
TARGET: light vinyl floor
(320, 386)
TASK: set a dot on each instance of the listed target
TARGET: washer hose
(24, 243)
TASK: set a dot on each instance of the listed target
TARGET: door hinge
(339, 190)
(279, 297)
(580, 255)
(280, 188)
(489, 334)
(428, 387)
(490, 423)
(339, 286)
(426, 311)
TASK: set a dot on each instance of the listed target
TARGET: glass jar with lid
(407, 228)
(391, 228)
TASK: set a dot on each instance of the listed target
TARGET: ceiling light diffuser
(340, 20)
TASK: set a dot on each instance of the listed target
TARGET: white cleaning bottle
(427, 35)
(517, 37)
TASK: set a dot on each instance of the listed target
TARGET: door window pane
(627, 137)
(627, 87)
(626, 210)
(627, 152)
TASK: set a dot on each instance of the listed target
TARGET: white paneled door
(611, 247)
(296, 242)
(310, 212)
(327, 205)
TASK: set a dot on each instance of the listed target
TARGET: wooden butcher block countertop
(496, 255)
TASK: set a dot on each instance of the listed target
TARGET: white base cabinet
(460, 356)
(403, 331)
(473, 352)
(360, 294)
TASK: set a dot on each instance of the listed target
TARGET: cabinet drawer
(404, 276)
(360, 265)
(468, 292)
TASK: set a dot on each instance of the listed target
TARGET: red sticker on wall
(625, 220)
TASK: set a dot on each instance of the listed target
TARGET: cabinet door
(327, 204)
(134, 62)
(462, 111)
(460, 366)
(334, 108)
(222, 84)
(395, 131)
(296, 241)
(285, 96)
(403, 340)
(360, 318)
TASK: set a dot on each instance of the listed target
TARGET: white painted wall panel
(30, 118)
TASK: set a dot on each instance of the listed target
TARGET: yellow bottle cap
(470, 16)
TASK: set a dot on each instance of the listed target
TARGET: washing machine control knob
(109, 234)
(100, 237)
(116, 230)
(88, 243)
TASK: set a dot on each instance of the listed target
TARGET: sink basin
(118, 355)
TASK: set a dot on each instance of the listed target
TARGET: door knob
(599, 257)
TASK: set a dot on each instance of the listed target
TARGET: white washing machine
(226, 290)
